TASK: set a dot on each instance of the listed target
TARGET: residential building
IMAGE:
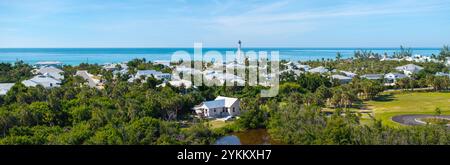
(392, 78)
(220, 107)
(342, 79)
(92, 81)
(373, 76)
(44, 80)
(320, 70)
(5, 87)
(349, 74)
(409, 69)
(147, 73)
(50, 71)
(48, 64)
(443, 74)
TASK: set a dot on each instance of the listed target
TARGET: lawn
(390, 105)
(219, 124)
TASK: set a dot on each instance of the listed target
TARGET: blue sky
(220, 23)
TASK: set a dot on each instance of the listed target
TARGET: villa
(48, 64)
(179, 83)
(409, 69)
(342, 79)
(44, 80)
(188, 70)
(373, 76)
(51, 71)
(220, 107)
(302, 67)
(118, 68)
(147, 73)
(92, 81)
(349, 74)
(443, 74)
(5, 87)
(320, 70)
(161, 62)
(223, 77)
(392, 78)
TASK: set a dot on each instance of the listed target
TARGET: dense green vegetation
(143, 113)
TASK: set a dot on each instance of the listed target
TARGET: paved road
(410, 119)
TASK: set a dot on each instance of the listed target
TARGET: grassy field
(219, 124)
(390, 105)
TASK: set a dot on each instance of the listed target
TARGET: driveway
(410, 119)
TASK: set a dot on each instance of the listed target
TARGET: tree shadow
(384, 98)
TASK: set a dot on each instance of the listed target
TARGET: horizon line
(419, 47)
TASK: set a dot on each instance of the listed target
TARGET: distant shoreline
(75, 56)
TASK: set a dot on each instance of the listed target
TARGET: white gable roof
(409, 67)
(51, 71)
(319, 69)
(5, 87)
(43, 80)
(228, 100)
(220, 102)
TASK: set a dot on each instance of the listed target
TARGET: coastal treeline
(142, 112)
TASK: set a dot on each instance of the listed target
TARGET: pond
(249, 137)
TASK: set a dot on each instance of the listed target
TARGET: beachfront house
(221, 78)
(55, 64)
(409, 69)
(218, 108)
(147, 73)
(320, 70)
(443, 74)
(162, 62)
(5, 87)
(391, 79)
(342, 79)
(117, 68)
(302, 67)
(50, 71)
(372, 76)
(349, 74)
(44, 80)
(92, 80)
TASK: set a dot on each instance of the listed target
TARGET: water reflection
(250, 137)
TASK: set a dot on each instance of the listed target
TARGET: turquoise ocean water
(74, 56)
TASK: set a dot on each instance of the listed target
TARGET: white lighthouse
(239, 54)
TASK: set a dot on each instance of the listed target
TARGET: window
(214, 110)
(233, 109)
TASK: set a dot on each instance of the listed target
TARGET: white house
(349, 74)
(342, 79)
(147, 73)
(373, 76)
(443, 74)
(5, 87)
(48, 64)
(44, 80)
(178, 83)
(409, 69)
(51, 71)
(392, 78)
(162, 62)
(92, 81)
(220, 107)
(320, 70)
(304, 67)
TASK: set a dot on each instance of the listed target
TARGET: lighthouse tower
(239, 53)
